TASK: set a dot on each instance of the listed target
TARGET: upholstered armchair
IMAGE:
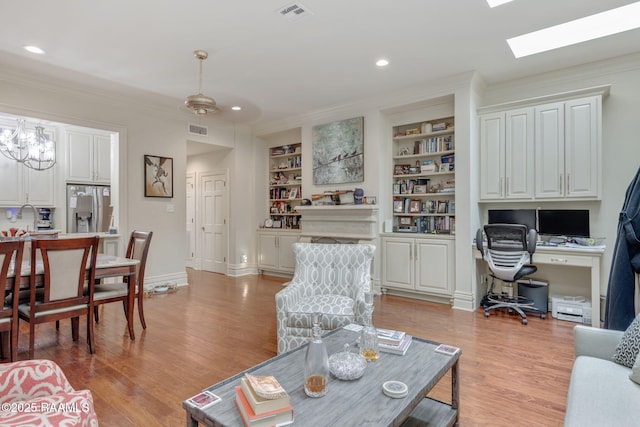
(36, 392)
(330, 279)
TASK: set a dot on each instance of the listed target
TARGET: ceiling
(275, 67)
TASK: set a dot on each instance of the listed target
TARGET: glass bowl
(346, 365)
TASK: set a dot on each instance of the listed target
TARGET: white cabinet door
(550, 179)
(519, 154)
(267, 251)
(11, 194)
(434, 266)
(88, 158)
(39, 187)
(582, 147)
(102, 159)
(79, 157)
(398, 262)
(492, 156)
(286, 257)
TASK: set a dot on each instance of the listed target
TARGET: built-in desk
(571, 256)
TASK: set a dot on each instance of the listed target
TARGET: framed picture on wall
(158, 176)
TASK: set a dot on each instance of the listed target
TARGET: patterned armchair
(330, 279)
(36, 392)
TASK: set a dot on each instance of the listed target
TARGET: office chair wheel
(524, 321)
(543, 316)
(486, 313)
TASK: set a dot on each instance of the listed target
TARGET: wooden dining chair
(10, 253)
(138, 248)
(67, 265)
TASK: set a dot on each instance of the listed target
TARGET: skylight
(602, 24)
(494, 3)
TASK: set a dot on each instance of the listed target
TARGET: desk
(571, 256)
(349, 403)
(106, 266)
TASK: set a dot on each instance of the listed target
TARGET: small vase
(316, 365)
(369, 335)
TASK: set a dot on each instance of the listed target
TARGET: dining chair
(67, 264)
(138, 248)
(10, 253)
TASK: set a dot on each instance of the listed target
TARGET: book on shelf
(259, 404)
(400, 348)
(279, 417)
(389, 336)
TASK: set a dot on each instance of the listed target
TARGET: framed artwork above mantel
(338, 152)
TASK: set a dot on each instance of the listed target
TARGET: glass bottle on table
(316, 365)
(369, 335)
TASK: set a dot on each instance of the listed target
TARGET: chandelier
(32, 148)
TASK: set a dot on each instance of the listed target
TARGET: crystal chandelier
(14, 143)
(34, 149)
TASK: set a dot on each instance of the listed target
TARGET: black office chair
(509, 254)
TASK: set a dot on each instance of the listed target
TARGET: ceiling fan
(201, 104)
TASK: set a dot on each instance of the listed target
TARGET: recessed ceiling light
(236, 108)
(34, 49)
(382, 62)
(602, 24)
(494, 3)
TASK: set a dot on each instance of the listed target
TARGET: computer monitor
(513, 216)
(563, 222)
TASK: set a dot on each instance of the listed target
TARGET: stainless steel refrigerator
(88, 208)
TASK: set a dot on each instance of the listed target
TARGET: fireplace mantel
(340, 222)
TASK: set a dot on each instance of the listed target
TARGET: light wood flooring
(510, 374)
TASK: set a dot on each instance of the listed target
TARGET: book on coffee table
(390, 337)
(259, 404)
(400, 348)
(278, 417)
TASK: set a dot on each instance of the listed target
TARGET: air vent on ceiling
(294, 11)
(198, 130)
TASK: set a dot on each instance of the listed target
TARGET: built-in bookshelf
(285, 185)
(424, 178)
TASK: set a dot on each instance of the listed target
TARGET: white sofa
(600, 391)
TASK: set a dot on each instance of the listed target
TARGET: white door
(191, 221)
(214, 222)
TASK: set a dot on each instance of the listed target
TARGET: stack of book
(262, 402)
(396, 342)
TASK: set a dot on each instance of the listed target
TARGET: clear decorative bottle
(316, 365)
(369, 336)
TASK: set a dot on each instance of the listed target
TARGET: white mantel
(340, 222)
(346, 224)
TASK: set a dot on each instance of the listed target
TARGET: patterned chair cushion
(330, 279)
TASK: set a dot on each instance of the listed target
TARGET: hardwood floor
(510, 374)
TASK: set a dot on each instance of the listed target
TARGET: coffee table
(349, 403)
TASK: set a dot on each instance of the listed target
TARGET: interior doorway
(214, 208)
(190, 255)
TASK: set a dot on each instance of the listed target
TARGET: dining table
(106, 266)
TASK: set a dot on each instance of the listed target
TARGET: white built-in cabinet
(88, 157)
(507, 155)
(567, 150)
(26, 185)
(275, 252)
(547, 151)
(418, 265)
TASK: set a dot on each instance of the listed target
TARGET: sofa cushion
(635, 371)
(629, 346)
(600, 394)
(337, 311)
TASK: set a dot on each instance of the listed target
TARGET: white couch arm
(596, 342)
